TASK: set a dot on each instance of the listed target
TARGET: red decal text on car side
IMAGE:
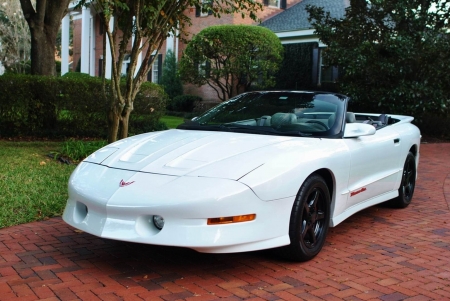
(353, 193)
(123, 183)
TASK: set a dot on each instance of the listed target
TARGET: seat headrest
(279, 119)
(350, 117)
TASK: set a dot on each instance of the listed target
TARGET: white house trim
(299, 36)
(85, 39)
(65, 24)
(108, 66)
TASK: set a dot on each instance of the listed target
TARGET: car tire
(309, 221)
(407, 185)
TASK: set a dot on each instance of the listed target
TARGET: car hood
(194, 153)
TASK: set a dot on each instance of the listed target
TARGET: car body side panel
(409, 137)
(283, 175)
(375, 165)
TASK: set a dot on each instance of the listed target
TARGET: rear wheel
(406, 189)
(309, 220)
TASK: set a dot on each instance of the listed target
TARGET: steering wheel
(319, 123)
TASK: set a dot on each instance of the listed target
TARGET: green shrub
(69, 106)
(185, 103)
(78, 150)
(170, 78)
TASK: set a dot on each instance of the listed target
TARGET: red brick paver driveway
(377, 254)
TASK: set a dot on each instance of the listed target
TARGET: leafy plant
(394, 54)
(141, 27)
(69, 106)
(77, 150)
(170, 79)
(232, 59)
(185, 103)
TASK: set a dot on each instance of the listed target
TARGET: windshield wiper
(193, 125)
(263, 130)
(240, 128)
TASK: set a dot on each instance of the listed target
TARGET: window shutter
(100, 67)
(159, 67)
(283, 4)
(266, 2)
(315, 66)
(335, 74)
(198, 10)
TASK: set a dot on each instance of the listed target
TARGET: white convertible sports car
(262, 170)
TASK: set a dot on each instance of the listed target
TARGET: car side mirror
(353, 130)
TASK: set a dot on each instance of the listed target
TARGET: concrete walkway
(377, 254)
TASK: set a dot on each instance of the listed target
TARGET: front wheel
(309, 220)
(406, 189)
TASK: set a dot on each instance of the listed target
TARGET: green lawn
(172, 121)
(33, 186)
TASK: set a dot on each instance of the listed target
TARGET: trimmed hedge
(69, 106)
(184, 103)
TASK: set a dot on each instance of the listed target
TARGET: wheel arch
(328, 176)
(413, 150)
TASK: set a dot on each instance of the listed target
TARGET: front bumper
(98, 205)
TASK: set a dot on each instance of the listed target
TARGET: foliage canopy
(15, 38)
(138, 28)
(232, 58)
(393, 53)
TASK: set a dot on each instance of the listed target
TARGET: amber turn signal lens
(231, 219)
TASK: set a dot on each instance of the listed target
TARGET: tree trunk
(43, 52)
(44, 20)
(113, 123)
(118, 119)
(124, 123)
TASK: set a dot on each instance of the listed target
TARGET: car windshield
(305, 114)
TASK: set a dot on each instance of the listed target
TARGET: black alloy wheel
(309, 222)
(408, 183)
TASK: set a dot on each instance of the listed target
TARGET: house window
(328, 74)
(275, 3)
(204, 68)
(125, 64)
(204, 9)
(154, 75)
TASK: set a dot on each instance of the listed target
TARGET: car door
(374, 165)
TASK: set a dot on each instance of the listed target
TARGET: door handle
(396, 140)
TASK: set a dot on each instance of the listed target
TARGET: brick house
(297, 36)
(287, 18)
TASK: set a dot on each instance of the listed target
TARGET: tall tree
(44, 20)
(170, 79)
(394, 54)
(14, 37)
(141, 26)
(232, 58)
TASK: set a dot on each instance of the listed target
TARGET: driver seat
(279, 119)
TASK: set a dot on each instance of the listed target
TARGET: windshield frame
(303, 107)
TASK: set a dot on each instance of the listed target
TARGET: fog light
(158, 221)
(231, 219)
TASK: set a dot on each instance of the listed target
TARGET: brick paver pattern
(377, 254)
